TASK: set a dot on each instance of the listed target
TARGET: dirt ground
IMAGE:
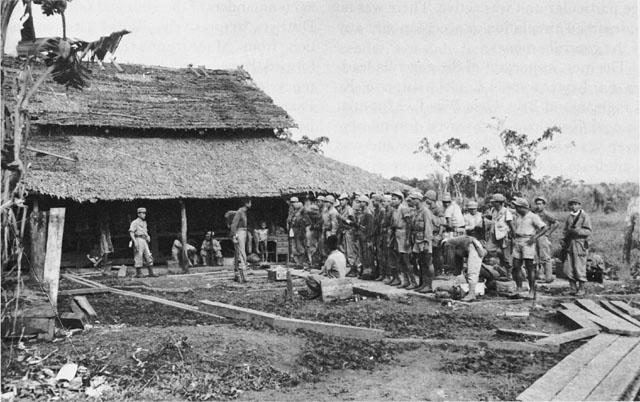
(148, 351)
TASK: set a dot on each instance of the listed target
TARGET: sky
(378, 76)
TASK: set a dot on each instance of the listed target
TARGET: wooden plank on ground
(591, 306)
(598, 368)
(607, 325)
(569, 336)
(626, 308)
(336, 289)
(519, 332)
(620, 379)
(84, 291)
(554, 380)
(578, 316)
(86, 307)
(344, 331)
(235, 312)
(613, 309)
(379, 289)
(495, 345)
(155, 299)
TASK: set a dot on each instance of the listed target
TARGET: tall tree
(521, 154)
(442, 153)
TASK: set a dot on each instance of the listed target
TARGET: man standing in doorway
(140, 242)
(239, 233)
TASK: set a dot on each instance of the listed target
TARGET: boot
(404, 281)
(396, 279)
(412, 279)
(580, 292)
(421, 283)
(471, 296)
(353, 272)
(138, 272)
(151, 273)
(548, 271)
(428, 286)
(242, 278)
(572, 287)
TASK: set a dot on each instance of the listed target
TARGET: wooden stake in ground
(183, 237)
(38, 230)
(288, 293)
(53, 255)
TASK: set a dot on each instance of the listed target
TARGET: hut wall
(82, 225)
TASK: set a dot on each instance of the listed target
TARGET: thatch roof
(155, 97)
(203, 167)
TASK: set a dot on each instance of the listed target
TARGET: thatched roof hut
(168, 138)
(159, 133)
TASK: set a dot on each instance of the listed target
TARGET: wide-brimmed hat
(541, 198)
(294, 199)
(574, 200)
(398, 194)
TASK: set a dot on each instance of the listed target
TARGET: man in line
(498, 239)
(474, 222)
(577, 229)
(329, 224)
(239, 232)
(544, 245)
(365, 236)
(346, 233)
(378, 260)
(437, 213)
(453, 219)
(140, 242)
(421, 237)
(211, 251)
(528, 228)
(298, 229)
(386, 239)
(334, 267)
(401, 245)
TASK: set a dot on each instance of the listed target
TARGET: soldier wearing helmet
(474, 222)
(577, 229)
(329, 223)
(453, 219)
(499, 236)
(543, 248)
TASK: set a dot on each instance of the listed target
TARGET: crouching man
(456, 249)
(334, 267)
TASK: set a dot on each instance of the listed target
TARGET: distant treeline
(606, 197)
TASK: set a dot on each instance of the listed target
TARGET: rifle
(564, 251)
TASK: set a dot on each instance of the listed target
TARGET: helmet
(363, 198)
(574, 200)
(142, 210)
(446, 197)
(321, 198)
(541, 198)
(294, 199)
(497, 198)
(398, 194)
(415, 195)
(330, 199)
(472, 205)
(343, 196)
(521, 202)
(431, 195)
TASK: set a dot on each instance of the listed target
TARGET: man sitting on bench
(334, 267)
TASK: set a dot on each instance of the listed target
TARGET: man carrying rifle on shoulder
(575, 246)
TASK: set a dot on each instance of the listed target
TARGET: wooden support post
(54, 253)
(184, 263)
(38, 241)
